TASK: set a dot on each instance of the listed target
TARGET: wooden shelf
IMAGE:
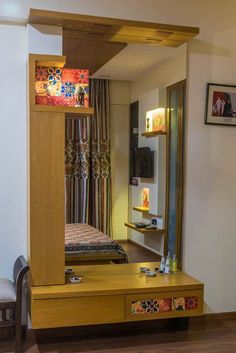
(141, 209)
(63, 109)
(145, 210)
(48, 60)
(153, 133)
(144, 230)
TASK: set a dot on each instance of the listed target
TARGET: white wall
(119, 100)
(163, 75)
(16, 42)
(156, 185)
(210, 195)
(13, 205)
(45, 39)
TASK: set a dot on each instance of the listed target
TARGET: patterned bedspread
(82, 239)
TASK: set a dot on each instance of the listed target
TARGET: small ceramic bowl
(150, 273)
(69, 270)
(144, 269)
(75, 279)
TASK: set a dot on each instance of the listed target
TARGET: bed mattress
(82, 239)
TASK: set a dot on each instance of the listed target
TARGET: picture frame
(220, 104)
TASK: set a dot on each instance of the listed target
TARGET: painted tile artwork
(163, 305)
(61, 87)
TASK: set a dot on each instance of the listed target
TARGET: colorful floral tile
(75, 76)
(165, 305)
(55, 101)
(68, 89)
(41, 88)
(137, 308)
(178, 304)
(151, 306)
(41, 73)
(42, 100)
(54, 74)
(54, 88)
(191, 303)
(68, 101)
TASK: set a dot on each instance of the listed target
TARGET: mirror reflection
(117, 167)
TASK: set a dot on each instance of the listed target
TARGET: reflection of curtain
(87, 159)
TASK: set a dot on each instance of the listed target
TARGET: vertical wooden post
(47, 258)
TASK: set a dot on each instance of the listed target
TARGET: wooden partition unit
(47, 259)
(47, 214)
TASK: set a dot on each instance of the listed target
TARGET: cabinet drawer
(49, 313)
(148, 306)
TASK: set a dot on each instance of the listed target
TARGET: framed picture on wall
(220, 104)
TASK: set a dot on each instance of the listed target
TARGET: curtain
(87, 163)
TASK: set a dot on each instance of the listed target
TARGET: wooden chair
(11, 301)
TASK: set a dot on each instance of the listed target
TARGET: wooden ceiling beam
(113, 29)
(87, 53)
(91, 41)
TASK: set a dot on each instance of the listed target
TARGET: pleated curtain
(87, 163)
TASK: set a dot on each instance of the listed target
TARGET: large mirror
(123, 194)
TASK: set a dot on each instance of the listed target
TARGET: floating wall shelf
(141, 209)
(144, 210)
(153, 133)
(145, 230)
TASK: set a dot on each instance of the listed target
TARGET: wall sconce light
(156, 120)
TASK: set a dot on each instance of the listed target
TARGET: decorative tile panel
(54, 88)
(164, 305)
(68, 89)
(41, 73)
(61, 87)
(75, 76)
(41, 88)
(54, 74)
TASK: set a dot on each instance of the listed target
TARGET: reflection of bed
(86, 244)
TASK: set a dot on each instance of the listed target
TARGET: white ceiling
(134, 60)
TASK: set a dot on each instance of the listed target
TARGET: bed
(85, 244)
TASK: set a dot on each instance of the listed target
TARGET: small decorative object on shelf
(155, 120)
(174, 264)
(146, 197)
(162, 265)
(149, 121)
(168, 263)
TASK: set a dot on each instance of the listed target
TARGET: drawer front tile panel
(164, 305)
(161, 305)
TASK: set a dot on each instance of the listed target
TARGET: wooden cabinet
(64, 312)
(115, 293)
